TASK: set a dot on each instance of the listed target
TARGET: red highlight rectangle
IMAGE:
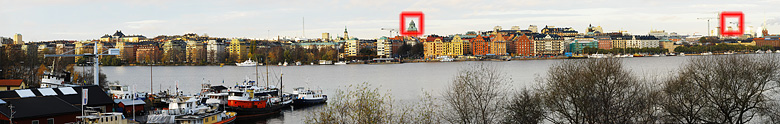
(732, 14)
(421, 23)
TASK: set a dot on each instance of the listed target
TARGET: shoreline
(426, 61)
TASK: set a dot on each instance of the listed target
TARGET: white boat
(728, 53)
(95, 117)
(445, 58)
(190, 110)
(341, 63)
(247, 63)
(304, 96)
(777, 51)
(656, 55)
(682, 54)
(596, 56)
(298, 63)
(285, 64)
(326, 62)
(707, 53)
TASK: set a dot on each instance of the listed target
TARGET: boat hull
(256, 112)
(305, 102)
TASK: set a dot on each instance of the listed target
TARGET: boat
(445, 58)
(247, 63)
(298, 63)
(341, 63)
(682, 54)
(249, 100)
(95, 117)
(326, 62)
(190, 110)
(638, 55)
(285, 64)
(728, 53)
(597, 56)
(305, 97)
(655, 55)
(777, 51)
(707, 53)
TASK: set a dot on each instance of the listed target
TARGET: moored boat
(249, 100)
(305, 97)
(247, 63)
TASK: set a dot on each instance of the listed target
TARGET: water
(405, 82)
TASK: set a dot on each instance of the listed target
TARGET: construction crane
(708, 24)
(390, 30)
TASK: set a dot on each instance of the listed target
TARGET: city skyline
(88, 19)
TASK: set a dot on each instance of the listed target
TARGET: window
(34, 122)
(50, 121)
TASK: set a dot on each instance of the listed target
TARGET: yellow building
(238, 48)
(455, 47)
(498, 45)
(11, 84)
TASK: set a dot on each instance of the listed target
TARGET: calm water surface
(405, 82)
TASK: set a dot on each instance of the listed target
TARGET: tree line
(733, 89)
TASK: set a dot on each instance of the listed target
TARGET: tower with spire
(411, 27)
(346, 35)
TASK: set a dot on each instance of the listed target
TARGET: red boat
(249, 100)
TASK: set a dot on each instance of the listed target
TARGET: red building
(38, 110)
(605, 42)
(480, 45)
(50, 105)
(127, 106)
(524, 46)
(770, 41)
(147, 53)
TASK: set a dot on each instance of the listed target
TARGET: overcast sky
(39, 20)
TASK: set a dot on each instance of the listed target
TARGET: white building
(215, 51)
(384, 47)
(353, 47)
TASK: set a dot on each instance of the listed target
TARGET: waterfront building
(18, 39)
(433, 47)
(215, 51)
(773, 41)
(51, 105)
(174, 51)
(668, 45)
(239, 49)
(455, 47)
(646, 41)
(605, 42)
(11, 84)
(126, 51)
(480, 45)
(384, 47)
(620, 41)
(498, 45)
(148, 52)
(195, 51)
(578, 45)
(548, 44)
(353, 47)
(523, 45)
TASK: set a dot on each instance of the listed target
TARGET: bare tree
(728, 89)
(594, 91)
(525, 108)
(359, 104)
(476, 95)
